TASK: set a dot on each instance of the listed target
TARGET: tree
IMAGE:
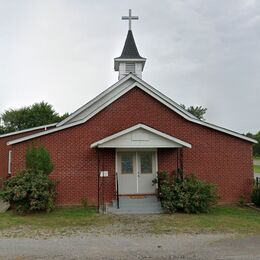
(197, 111)
(2, 130)
(256, 147)
(31, 116)
(38, 159)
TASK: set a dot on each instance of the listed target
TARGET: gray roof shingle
(130, 50)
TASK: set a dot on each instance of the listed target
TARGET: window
(9, 162)
(146, 159)
(127, 163)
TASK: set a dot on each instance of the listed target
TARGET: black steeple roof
(130, 50)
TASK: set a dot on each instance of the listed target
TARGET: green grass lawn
(230, 219)
(257, 168)
(59, 218)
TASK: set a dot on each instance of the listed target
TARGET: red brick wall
(214, 157)
(4, 149)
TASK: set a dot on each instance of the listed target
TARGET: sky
(198, 53)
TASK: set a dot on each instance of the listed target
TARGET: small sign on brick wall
(104, 174)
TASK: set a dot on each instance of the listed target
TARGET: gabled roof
(130, 50)
(28, 130)
(140, 136)
(116, 91)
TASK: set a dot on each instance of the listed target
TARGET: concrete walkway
(202, 246)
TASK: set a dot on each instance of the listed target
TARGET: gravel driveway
(89, 246)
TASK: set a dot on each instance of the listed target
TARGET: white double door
(136, 171)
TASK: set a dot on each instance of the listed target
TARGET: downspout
(103, 183)
(98, 179)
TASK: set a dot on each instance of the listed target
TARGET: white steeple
(130, 60)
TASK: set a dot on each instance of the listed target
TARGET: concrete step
(135, 211)
(137, 206)
(128, 205)
(134, 202)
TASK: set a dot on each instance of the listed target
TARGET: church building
(113, 146)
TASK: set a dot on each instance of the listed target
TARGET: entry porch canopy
(140, 136)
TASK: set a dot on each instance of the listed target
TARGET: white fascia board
(148, 89)
(28, 130)
(165, 98)
(92, 101)
(59, 128)
(176, 108)
(101, 95)
(200, 122)
(191, 117)
(126, 59)
(172, 107)
(138, 126)
(53, 130)
(137, 147)
(224, 130)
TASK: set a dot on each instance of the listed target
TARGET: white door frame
(136, 150)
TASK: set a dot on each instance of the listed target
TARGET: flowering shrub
(29, 190)
(185, 194)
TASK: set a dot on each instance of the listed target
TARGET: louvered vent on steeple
(130, 67)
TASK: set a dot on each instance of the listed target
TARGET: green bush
(38, 159)
(28, 191)
(255, 197)
(186, 194)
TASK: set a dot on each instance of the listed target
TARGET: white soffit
(140, 136)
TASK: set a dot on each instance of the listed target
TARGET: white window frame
(10, 162)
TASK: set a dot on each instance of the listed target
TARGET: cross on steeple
(130, 18)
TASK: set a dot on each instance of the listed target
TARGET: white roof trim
(127, 59)
(53, 130)
(142, 126)
(145, 87)
(28, 130)
(166, 101)
(88, 104)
